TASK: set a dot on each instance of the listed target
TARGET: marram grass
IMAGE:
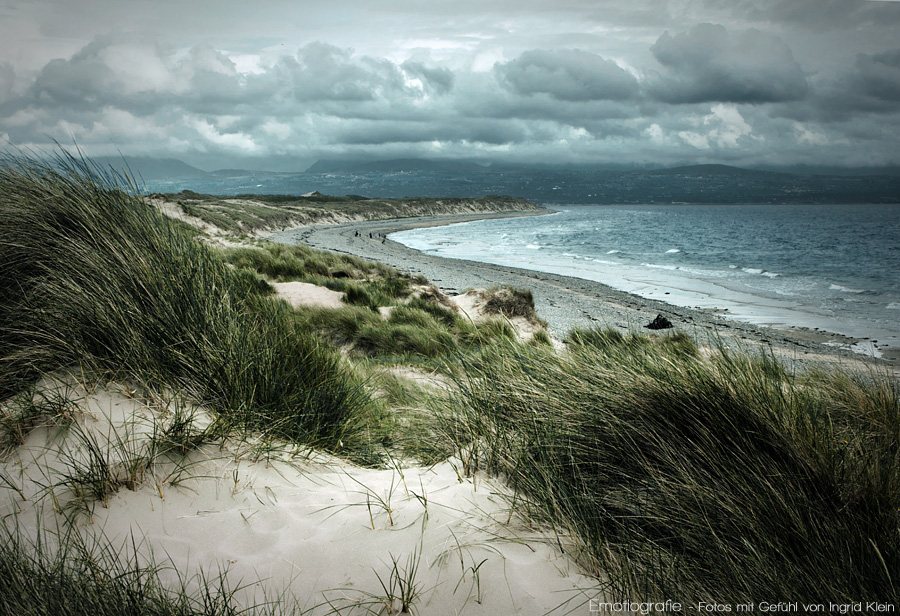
(723, 479)
(62, 573)
(92, 276)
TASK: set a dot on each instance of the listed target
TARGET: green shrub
(541, 338)
(412, 315)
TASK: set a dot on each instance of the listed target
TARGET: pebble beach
(567, 302)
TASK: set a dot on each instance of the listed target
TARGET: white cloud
(695, 140)
(729, 124)
(238, 142)
(655, 133)
(276, 129)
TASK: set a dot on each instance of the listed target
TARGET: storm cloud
(567, 75)
(649, 81)
(710, 64)
(879, 75)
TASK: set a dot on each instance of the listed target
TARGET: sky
(278, 84)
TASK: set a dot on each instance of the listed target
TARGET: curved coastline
(567, 302)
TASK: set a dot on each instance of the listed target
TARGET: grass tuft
(510, 302)
(77, 578)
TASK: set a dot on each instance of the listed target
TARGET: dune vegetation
(712, 479)
(250, 213)
(665, 469)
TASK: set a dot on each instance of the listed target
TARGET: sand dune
(285, 520)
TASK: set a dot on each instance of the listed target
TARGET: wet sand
(566, 302)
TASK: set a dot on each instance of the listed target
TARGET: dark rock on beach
(660, 322)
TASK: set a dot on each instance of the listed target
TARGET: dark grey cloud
(878, 75)
(142, 78)
(567, 75)
(7, 81)
(475, 131)
(321, 71)
(870, 87)
(710, 64)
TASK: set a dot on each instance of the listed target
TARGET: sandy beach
(567, 302)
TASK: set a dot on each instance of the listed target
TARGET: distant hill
(709, 171)
(233, 172)
(888, 170)
(394, 166)
(150, 169)
(549, 184)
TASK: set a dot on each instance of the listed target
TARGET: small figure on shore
(356, 234)
(370, 235)
(383, 239)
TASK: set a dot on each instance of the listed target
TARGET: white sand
(306, 294)
(317, 528)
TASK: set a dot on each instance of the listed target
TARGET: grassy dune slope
(93, 277)
(708, 479)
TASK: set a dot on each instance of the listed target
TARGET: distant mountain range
(398, 165)
(401, 165)
(399, 178)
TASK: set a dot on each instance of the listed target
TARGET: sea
(834, 268)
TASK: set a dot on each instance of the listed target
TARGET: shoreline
(568, 302)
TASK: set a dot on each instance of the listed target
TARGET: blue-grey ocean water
(835, 267)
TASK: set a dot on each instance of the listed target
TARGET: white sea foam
(893, 306)
(665, 267)
(613, 252)
(757, 271)
(842, 289)
(533, 247)
(672, 251)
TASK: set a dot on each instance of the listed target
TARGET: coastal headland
(568, 302)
